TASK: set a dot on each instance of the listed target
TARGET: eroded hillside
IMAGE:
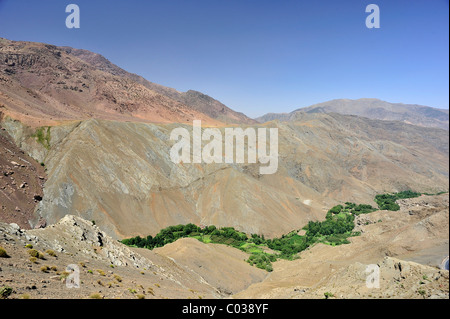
(42, 84)
(121, 175)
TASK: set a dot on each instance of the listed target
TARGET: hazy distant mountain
(373, 109)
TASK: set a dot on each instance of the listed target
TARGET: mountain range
(85, 161)
(374, 109)
(44, 84)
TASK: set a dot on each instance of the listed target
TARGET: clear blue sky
(258, 56)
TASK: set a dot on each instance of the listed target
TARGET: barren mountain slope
(195, 100)
(42, 84)
(21, 183)
(221, 266)
(121, 176)
(420, 226)
(185, 269)
(374, 109)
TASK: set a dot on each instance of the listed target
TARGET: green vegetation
(3, 253)
(328, 295)
(5, 292)
(42, 136)
(101, 272)
(387, 201)
(45, 269)
(36, 254)
(334, 230)
(51, 253)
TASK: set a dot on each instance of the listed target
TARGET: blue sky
(258, 56)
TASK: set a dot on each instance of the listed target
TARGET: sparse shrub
(3, 253)
(64, 275)
(100, 282)
(29, 246)
(328, 295)
(5, 292)
(42, 136)
(157, 285)
(133, 291)
(101, 272)
(82, 264)
(421, 292)
(142, 273)
(54, 268)
(140, 297)
(25, 296)
(33, 260)
(45, 269)
(151, 291)
(35, 253)
(96, 296)
(118, 278)
(51, 253)
(90, 271)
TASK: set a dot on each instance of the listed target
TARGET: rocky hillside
(196, 100)
(22, 181)
(408, 247)
(43, 84)
(373, 109)
(120, 174)
(108, 269)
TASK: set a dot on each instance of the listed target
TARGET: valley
(86, 167)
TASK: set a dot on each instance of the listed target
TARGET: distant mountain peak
(374, 109)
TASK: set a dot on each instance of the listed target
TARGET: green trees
(388, 201)
(336, 209)
(334, 230)
(262, 261)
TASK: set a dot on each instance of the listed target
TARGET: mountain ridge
(374, 109)
(43, 84)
